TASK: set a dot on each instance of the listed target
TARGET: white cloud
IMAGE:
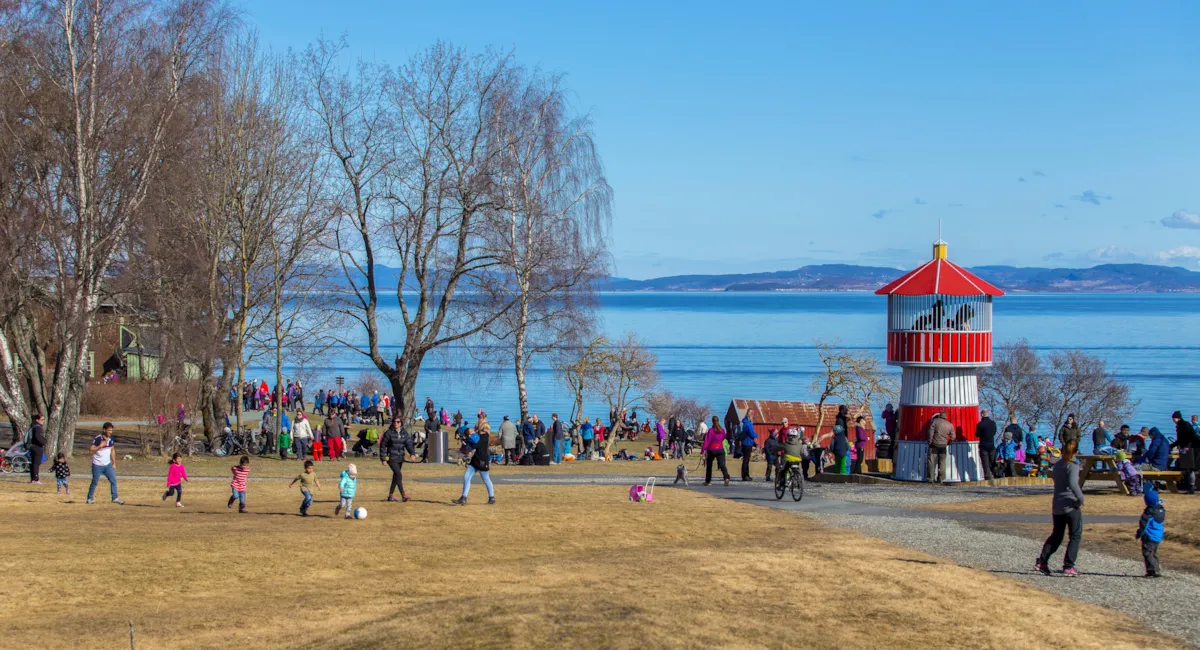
(1182, 219)
(1110, 254)
(1185, 255)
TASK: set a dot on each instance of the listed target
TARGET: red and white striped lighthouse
(940, 333)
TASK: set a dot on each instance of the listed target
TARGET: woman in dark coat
(1186, 440)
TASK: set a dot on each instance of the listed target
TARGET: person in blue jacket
(1006, 454)
(1157, 453)
(1151, 529)
(749, 442)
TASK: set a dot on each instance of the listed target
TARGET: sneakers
(1070, 573)
(726, 482)
(90, 500)
(393, 499)
(118, 502)
(231, 501)
(337, 510)
(404, 498)
(303, 512)
(165, 495)
(491, 501)
(706, 484)
(460, 501)
(1043, 567)
(178, 504)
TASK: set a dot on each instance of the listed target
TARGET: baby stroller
(16, 459)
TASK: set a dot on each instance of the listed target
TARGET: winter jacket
(1067, 493)
(1126, 470)
(558, 430)
(587, 431)
(508, 435)
(714, 440)
(176, 474)
(481, 458)
(749, 438)
(860, 437)
(1151, 526)
(1069, 432)
(1158, 453)
(796, 448)
(660, 432)
(37, 435)
(985, 431)
(302, 430)
(889, 422)
(347, 486)
(334, 428)
(1006, 450)
(527, 431)
(539, 430)
(841, 444)
(1100, 438)
(940, 432)
(1031, 443)
(395, 443)
(772, 447)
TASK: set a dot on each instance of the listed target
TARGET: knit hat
(352, 469)
(1177, 414)
(1150, 494)
(1121, 455)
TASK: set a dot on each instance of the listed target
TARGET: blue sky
(758, 136)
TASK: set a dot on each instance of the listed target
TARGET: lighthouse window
(932, 313)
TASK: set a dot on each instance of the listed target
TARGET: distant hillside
(1106, 278)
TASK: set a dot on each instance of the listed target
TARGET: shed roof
(939, 276)
(805, 414)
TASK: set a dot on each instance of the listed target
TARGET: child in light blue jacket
(348, 486)
(1006, 453)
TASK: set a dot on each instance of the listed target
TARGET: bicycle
(789, 477)
(185, 444)
(235, 444)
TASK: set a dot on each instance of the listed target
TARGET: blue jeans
(240, 495)
(303, 506)
(487, 481)
(558, 450)
(107, 472)
(62, 483)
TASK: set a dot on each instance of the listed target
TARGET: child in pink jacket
(176, 475)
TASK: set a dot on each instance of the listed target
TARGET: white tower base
(912, 461)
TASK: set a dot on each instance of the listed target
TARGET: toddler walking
(348, 487)
(61, 473)
(238, 484)
(176, 475)
(308, 480)
(1151, 530)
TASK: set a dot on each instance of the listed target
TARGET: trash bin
(437, 443)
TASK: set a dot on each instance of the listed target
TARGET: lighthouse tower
(940, 333)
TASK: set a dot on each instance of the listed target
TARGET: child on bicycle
(176, 475)
(308, 480)
(238, 484)
(347, 486)
(61, 473)
(795, 450)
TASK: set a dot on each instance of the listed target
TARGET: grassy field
(1180, 550)
(547, 566)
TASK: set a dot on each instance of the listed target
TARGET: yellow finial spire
(939, 246)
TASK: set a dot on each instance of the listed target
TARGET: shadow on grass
(1059, 574)
(901, 559)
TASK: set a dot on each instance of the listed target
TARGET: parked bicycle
(185, 444)
(236, 444)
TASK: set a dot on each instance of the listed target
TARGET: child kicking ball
(347, 486)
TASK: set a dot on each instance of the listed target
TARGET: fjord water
(716, 346)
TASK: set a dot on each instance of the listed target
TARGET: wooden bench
(1170, 477)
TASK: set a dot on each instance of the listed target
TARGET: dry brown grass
(548, 566)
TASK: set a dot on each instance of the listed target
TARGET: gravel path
(1167, 604)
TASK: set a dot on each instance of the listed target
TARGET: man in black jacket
(539, 432)
(394, 447)
(985, 431)
(35, 445)
(1187, 441)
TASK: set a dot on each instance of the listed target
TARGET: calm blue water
(717, 346)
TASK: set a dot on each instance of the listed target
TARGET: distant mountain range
(1106, 278)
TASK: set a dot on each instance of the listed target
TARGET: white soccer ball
(360, 513)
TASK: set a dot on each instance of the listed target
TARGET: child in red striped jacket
(240, 472)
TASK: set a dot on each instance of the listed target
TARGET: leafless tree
(1083, 384)
(580, 367)
(99, 86)
(1018, 384)
(551, 226)
(664, 404)
(856, 377)
(629, 373)
(411, 151)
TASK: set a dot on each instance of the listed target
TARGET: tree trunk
(519, 362)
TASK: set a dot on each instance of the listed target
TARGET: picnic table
(1103, 467)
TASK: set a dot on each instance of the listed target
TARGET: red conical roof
(939, 276)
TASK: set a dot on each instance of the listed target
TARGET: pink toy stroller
(642, 493)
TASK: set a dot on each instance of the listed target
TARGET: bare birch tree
(100, 83)
(551, 228)
(856, 377)
(580, 367)
(1083, 384)
(1018, 384)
